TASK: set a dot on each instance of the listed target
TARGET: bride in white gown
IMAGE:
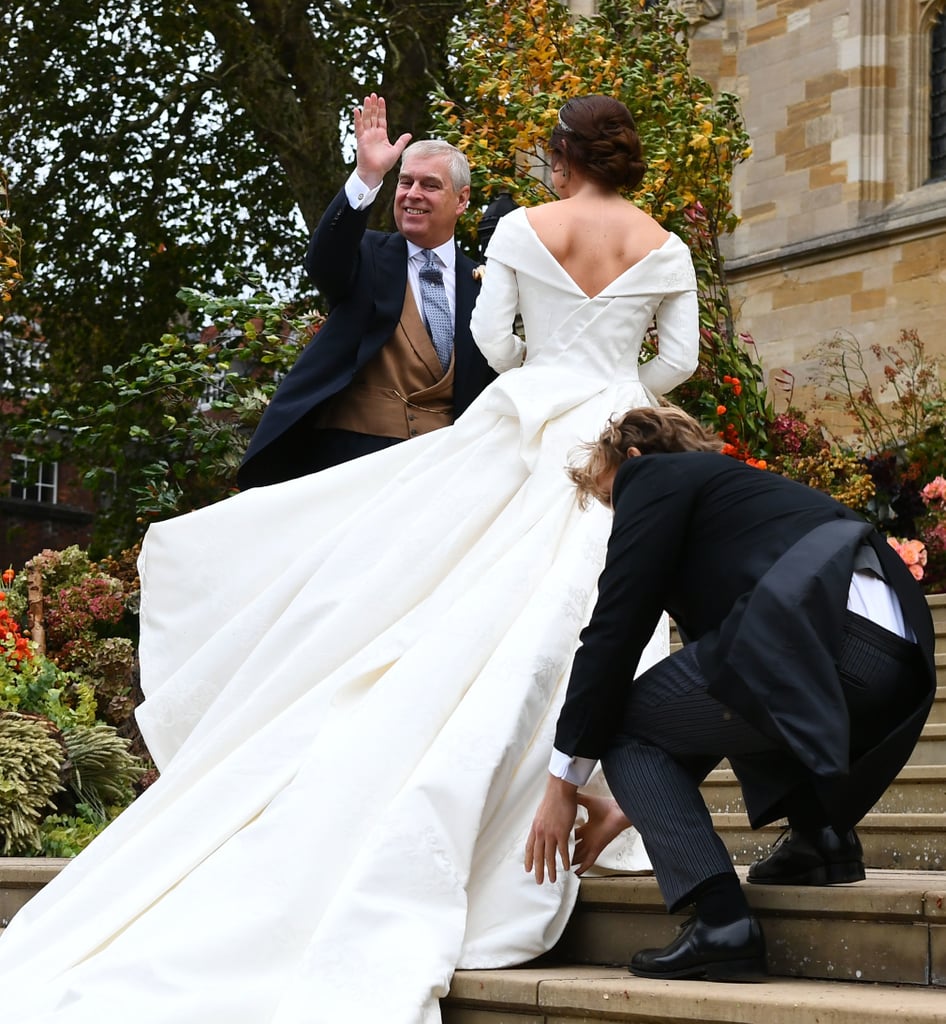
(353, 678)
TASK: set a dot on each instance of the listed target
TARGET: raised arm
(333, 254)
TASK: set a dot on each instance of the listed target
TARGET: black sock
(804, 811)
(719, 900)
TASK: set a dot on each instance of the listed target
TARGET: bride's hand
(605, 822)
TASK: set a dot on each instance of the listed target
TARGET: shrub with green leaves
(99, 769)
(30, 757)
(66, 835)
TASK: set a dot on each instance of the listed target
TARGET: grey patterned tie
(436, 310)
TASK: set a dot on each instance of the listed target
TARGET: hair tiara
(561, 123)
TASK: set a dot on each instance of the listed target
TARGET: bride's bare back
(596, 237)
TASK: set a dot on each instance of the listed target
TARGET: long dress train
(352, 684)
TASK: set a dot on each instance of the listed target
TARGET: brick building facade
(45, 509)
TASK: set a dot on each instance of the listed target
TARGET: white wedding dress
(352, 684)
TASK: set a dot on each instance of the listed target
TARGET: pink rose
(913, 553)
(934, 491)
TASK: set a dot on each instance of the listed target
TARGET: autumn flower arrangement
(14, 647)
(888, 466)
(913, 553)
(67, 747)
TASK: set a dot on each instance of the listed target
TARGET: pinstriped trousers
(672, 736)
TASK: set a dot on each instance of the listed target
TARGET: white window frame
(44, 489)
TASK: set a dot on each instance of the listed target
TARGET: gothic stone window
(938, 99)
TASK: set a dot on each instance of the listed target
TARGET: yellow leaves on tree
(11, 242)
(520, 62)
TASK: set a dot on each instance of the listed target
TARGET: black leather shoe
(729, 952)
(811, 857)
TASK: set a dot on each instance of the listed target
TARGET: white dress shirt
(360, 197)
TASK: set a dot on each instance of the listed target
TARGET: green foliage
(100, 769)
(838, 473)
(518, 63)
(150, 144)
(86, 672)
(728, 391)
(110, 251)
(29, 777)
(106, 664)
(57, 569)
(66, 835)
(39, 687)
(65, 748)
(164, 431)
(11, 242)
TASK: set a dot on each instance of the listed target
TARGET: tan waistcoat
(401, 392)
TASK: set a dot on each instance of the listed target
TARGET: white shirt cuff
(358, 193)
(576, 770)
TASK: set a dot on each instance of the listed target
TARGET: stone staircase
(870, 952)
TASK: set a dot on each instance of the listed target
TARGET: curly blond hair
(665, 428)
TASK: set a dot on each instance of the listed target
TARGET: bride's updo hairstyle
(597, 135)
(650, 430)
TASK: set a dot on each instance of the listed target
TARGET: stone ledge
(570, 995)
(894, 895)
(29, 872)
(890, 928)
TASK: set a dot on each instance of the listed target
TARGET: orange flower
(7, 576)
(720, 410)
(913, 553)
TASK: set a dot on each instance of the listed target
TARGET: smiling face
(426, 205)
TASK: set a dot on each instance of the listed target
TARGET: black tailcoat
(755, 569)
(363, 276)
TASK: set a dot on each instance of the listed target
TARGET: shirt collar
(447, 252)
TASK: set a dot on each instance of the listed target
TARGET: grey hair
(458, 164)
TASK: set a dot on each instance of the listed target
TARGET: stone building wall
(841, 231)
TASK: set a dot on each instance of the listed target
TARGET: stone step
(891, 841)
(889, 928)
(21, 878)
(931, 746)
(918, 789)
(938, 710)
(585, 995)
